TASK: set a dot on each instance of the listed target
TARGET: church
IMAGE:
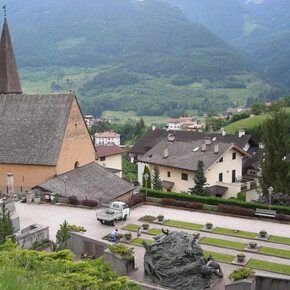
(43, 137)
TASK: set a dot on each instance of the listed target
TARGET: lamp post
(270, 190)
(146, 176)
(65, 178)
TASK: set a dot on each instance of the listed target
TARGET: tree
(146, 170)
(256, 108)
(6, 228)
(62, 237)
(275, 169)
(199, 181)
(156, 181)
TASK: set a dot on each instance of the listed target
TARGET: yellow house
(177, 162)
(110, 157)
(41, 135)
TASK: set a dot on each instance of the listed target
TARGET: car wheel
(125, 217)
(102, 222)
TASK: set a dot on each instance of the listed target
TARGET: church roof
(9, 78)
(32, 128)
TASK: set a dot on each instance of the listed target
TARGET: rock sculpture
(176, 260)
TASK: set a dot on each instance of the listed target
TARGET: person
(114, 235)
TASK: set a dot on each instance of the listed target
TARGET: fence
(4, 189)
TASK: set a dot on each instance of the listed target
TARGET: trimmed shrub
(282, 217)
(193, 205)
(213, 200)
(88, 202)
(236, 210)
(73, 200)
(136, 199)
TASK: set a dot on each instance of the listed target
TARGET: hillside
(145, 56)
(258, 29)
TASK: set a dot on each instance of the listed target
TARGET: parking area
(54, 215)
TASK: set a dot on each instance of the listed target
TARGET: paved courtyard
(53, 216)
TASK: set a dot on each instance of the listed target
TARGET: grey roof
(91, 181)
(9, 78)
(167, 184)
(152, 137)
(217, 189)
(182, 156)
(32, 128)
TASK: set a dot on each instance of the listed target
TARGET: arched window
(77, 164)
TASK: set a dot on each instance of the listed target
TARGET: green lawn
(273, 251)
(155, 232)
(220, 257)
(281, 240)
(131, 227)
(243, 234)
(183, 225)
(269, 266)
(223, 243)
(138, 242)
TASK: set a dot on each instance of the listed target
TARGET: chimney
(241, 133)
(153, 127)
(170, 137)
(203, 146)
(165, 152)
(207, 140)
(216, 148)
(223, 131)
(166, 129)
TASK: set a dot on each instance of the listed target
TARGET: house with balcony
(224, 170)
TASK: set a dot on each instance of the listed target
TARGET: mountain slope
(145, 56)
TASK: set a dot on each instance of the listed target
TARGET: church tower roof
(9, 78)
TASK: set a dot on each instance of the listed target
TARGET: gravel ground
(53, 216)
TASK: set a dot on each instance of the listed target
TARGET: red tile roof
(102, 150)
(107, 134)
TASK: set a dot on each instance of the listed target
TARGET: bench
(265, 212)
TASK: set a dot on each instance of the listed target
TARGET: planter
(128, 237)
(160, 217)
(145, 226)
(208, 225)
(241, 257)
(252, 244)
(263, 233)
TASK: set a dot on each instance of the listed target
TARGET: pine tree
(156, 181)
(275, 170)
(62, 237)
(200, 181)
(146, 170)
(6, 228)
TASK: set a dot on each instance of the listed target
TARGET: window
(233, 175)
(184, 176)
(221, 160)
(76, 164)
(220, 177)
(103, 158)
(168, 173)
(234, 155)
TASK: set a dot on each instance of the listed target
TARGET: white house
(107, 137)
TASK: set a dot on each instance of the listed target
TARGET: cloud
(255, 1)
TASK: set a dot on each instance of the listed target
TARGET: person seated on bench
(114, 235)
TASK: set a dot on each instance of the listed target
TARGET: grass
(223, 243)
(220, 257)
(269, 266)
(155, 232)
(138, 242)
(278, 239)
(231, 232)
(184, 225)
(273, 251)
(131, 227)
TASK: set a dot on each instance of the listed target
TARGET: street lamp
(146, 176)
(65, 178)
(270, 190)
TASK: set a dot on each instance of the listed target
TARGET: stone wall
(29, 235)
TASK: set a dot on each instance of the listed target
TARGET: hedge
(213, 200)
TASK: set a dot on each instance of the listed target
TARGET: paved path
(53, 216)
